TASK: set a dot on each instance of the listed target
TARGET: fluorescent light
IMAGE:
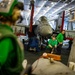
(58, 9)
(52, 3)
(40, 8)
(48, 8)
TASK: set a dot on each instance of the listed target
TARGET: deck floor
(33, 56)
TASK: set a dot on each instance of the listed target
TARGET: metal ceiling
(48, 8)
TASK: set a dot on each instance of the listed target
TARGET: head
(13, 13)
(53, 37)
(63, 31)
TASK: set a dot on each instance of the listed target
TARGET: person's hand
(60, 42)
(50, 46)
(55, 46)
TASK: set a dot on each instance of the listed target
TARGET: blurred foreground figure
(45, 66)
(11, 50)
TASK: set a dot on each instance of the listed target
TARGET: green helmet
(6, 7)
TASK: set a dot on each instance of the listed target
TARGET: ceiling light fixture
(39, 8)
(48, 8)
(57, 9)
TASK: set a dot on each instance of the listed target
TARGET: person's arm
(49, 43)
(59, 38)
(5, 46)
(55, 43)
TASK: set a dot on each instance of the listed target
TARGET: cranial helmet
(6, 7)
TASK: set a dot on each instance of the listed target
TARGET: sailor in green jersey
(60, 38)
(11, 50)
(52, 44)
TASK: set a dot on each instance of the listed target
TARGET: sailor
(60, 38)
(52, 44)
(11, 50)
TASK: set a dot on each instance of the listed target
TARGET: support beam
(63, 16)
(31, 17)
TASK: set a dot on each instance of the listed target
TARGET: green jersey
(11, 54)
(52, 42)
(60, 37)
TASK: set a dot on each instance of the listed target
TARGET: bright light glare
(52, 3)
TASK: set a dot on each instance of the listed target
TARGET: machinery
(43, 27)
